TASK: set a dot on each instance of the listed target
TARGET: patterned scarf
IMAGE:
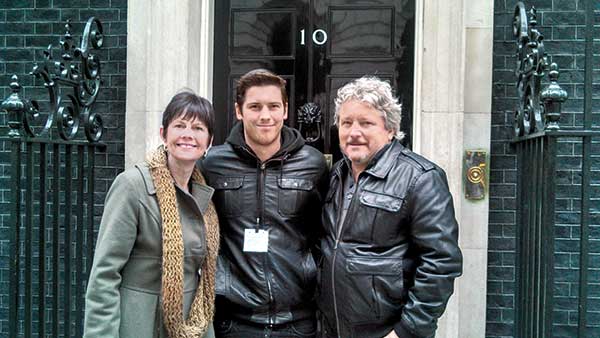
(202, 310)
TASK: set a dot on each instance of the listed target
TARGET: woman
(154, 267)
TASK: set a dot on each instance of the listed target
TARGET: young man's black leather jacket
(393, 261)
(282, 195)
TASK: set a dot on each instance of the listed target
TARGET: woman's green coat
(123, 293)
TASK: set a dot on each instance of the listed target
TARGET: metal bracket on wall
(475, 173)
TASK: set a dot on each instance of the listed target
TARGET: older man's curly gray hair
(375, 93)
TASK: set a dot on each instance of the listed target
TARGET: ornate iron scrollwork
(309, 121)
(67, 111)
(533, 112)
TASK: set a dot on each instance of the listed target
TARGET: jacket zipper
(259, 220)
(337, 241)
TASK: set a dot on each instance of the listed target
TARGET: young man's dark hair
(268, 187)
(258, 78)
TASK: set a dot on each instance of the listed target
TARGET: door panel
(263, 33)
(317, 46)
(360, 32)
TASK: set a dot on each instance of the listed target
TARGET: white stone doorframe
(453, 95)
(170, 47)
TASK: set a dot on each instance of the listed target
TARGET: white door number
(319, 37)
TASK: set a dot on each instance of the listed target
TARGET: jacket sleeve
(322, 184)
(116, 237)
(434, 236)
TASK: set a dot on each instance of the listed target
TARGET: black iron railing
(52, 189)
(538, 137)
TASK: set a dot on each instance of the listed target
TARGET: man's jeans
(228, 328)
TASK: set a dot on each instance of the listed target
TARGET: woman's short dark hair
(258, 78)
(189, 106)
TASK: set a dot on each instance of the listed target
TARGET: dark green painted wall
(26, 29)
(562, 22)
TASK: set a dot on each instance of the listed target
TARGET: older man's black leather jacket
(392, 263)
(282, 195)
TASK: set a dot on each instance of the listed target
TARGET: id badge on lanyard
(256, 240)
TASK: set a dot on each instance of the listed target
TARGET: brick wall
(563, 25)
(26, 29)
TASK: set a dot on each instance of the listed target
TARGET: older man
(391, 251)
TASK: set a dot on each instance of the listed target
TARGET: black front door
(317, 46)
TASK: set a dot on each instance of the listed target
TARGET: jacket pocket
(232, 286)
(380, 218)
(228, 196)
(139, 314)
(294, 195)
(381, 201)
(374, 284)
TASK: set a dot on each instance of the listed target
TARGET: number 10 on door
(319, 37)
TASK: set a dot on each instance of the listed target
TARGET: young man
(390, 254)
(267, 194)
